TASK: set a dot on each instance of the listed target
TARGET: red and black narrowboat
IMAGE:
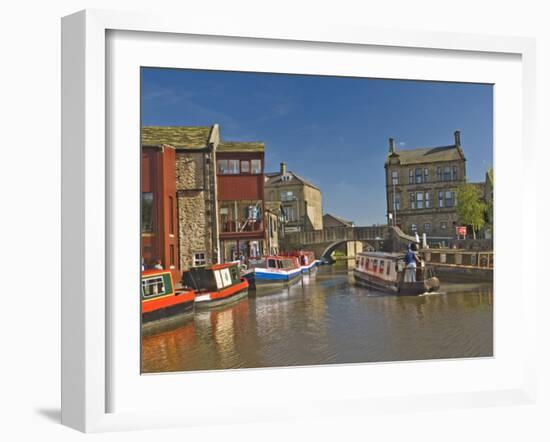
(159, 299)
(216, 285)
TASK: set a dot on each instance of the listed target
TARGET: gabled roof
(427, 155)
(338, 219)
(276, 179)
(240, 146)
(190, 137)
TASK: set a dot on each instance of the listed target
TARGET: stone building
(275, 227)
(330, 220)
(301, 200)
(218, 187)
(421, 188)
(195, 183)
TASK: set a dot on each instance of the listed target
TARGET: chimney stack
(457, 138)
(392, 145)
(283, 168)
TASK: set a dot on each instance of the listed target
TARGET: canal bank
(326, 319)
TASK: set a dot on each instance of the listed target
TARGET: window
(419, 200)
(439, 176)
(396, 201)
(245, 166)
(375, 265)
(388, 269)
(413, 228)
(222, 167)
(172, 256)
(382, 266)
(418, 175)
(171, 208)
(412, 201)
(147, 212)
(447, 173)
(287, 196)
(426, 175)
(199, 259)
(427, 199)
(152, 286)
(233, 167)
(395, 177)
(443, 225)
(411, 176)
(290, 213)
(449, 198)
(440, 197)
(256, 166)
(427, 227)
(455, 173)
(271, 264)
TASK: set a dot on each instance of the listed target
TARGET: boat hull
(262, 279)
(222, 297)
(166, 307)
(404, 288)
(309, 267)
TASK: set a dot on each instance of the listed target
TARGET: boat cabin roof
(153, 272)
(382, 255)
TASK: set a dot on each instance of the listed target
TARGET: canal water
(325, 319)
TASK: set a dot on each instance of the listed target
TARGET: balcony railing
(245, 225)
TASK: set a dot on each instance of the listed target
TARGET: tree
(470, 207)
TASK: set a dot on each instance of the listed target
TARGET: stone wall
(314, 202)
(195, 217)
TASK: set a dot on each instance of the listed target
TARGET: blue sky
(331, 130)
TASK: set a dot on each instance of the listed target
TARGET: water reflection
(326, 319)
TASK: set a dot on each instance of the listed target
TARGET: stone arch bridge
(356, 239)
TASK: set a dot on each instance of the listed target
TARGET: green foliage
(470, 207)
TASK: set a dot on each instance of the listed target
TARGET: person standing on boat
(411, 260)
(158, 265)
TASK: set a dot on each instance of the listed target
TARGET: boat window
(218, 277)
(271, 263)
(375, 265)
(367, 263)
(234, 274)
(226, 277)
(382, 266)
(388, 269)
(152, 286)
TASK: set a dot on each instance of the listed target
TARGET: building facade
(240, 195)
(301, 200)
(195, 187)
(215, 192)
(330, 220)
(421, 188)
(159, 223)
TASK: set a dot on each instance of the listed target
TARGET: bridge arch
(353, 247)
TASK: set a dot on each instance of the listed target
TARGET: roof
(428, 155)
(275, 179)
(340, 220)
(240, 146)
(193, 137)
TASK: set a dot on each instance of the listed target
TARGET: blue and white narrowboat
(273, 272)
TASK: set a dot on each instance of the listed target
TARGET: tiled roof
(240, 146)
(192, 137)
(428, 155)
(275, 179)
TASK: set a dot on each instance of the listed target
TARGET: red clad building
(240, 195)
(159, 228)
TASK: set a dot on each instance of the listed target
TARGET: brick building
(421, 187)
(301, 200)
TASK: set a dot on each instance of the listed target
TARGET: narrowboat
(216, 285)
(307, 260)
(387, 272)
(159, 299)
(272, 272)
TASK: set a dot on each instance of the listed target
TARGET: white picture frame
(87, 214)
